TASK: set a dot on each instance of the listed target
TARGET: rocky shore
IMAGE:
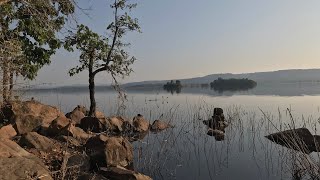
(39, 141)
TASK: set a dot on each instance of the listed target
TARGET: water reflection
(278, 89)
(187, 152)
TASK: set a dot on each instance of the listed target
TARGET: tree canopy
(106, 53)
(28, 36)
(32, 27)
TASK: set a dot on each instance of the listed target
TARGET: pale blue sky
(188, 38)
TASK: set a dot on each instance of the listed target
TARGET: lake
(187, 152)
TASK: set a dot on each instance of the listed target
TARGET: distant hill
(281, 76)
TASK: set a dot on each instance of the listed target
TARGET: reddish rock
(37, 141)
(27, 123)
(140, 124)
(70, 140)
(7, 132)
(109, 151)
(77, 114)
(9, 149)
(93, 124)
(29, 115)
(100, 115)
(76, 132)
(120, 173)
(17, 163)
(158, 125)
(16, 168)
(115, 123)
(57, 125)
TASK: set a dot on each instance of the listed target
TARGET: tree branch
(108, 59)
(4, 1)
(104, 68)
(115, 33)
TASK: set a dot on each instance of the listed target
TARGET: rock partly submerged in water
(299, 139)
(218, 134)
(116, 124)
(140, 124)
(158, 125)
(216, 124)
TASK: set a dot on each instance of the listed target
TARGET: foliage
(104, 53)
(108, 54)
(31, 27)
(233, 84)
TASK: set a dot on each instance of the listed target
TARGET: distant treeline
(173, 86)
(233, 84)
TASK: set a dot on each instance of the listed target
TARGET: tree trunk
(5, 80)
(11, 84)
(92, 98)
(93, 105)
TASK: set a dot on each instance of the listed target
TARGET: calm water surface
(186, 151)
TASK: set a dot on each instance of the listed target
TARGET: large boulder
(120, 173)
(77, 114)
(9, 149)
(158, 125)
(140, 124)
(57, 125)
(93, 124)
(71, 141)
(109, 151)
(16, 163)
(37, 141)
(26, 116)
(76, 132)
(27, 123)
(83, 109)
(80, 162)
(7, 132)
(100, 115)
(116, 123)
(299, 139)
(17, 168)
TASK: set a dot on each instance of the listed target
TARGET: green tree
(103, 54)
(28, 36)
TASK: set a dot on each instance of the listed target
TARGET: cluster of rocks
(38, 141)
(216, 124)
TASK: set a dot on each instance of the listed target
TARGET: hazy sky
(188, 38)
